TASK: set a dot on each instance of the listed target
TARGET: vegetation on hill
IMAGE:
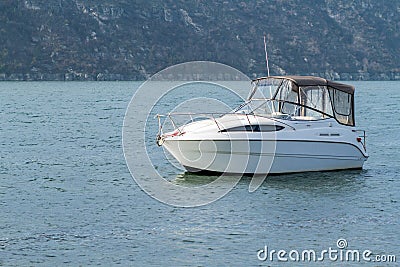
(111, 40)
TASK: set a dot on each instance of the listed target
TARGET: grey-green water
(67, 197)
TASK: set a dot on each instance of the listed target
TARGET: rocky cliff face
(105, 39)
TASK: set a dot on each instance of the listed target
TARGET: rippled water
(67, 197)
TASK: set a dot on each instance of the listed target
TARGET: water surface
(67, 197)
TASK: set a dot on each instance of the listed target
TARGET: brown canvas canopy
(339, 95)
(315, 81)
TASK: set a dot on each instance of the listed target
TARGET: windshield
(265, 88)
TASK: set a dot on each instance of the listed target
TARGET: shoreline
(334, 76)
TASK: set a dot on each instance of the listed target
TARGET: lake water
(67, 197)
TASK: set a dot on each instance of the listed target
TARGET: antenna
(266, 54)
(266, 62)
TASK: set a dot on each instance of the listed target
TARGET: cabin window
(254, 128)
(316, 97)
(286, 93)
(343, 106)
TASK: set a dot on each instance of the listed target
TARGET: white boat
(288, 124)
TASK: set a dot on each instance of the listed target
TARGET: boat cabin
(302, 98)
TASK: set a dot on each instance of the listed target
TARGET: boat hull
(265, 156)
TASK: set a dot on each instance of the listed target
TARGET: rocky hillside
(125, 39)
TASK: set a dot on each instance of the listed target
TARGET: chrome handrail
(364, 137)
(209, 115)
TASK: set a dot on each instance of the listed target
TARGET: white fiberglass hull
(265, 156)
